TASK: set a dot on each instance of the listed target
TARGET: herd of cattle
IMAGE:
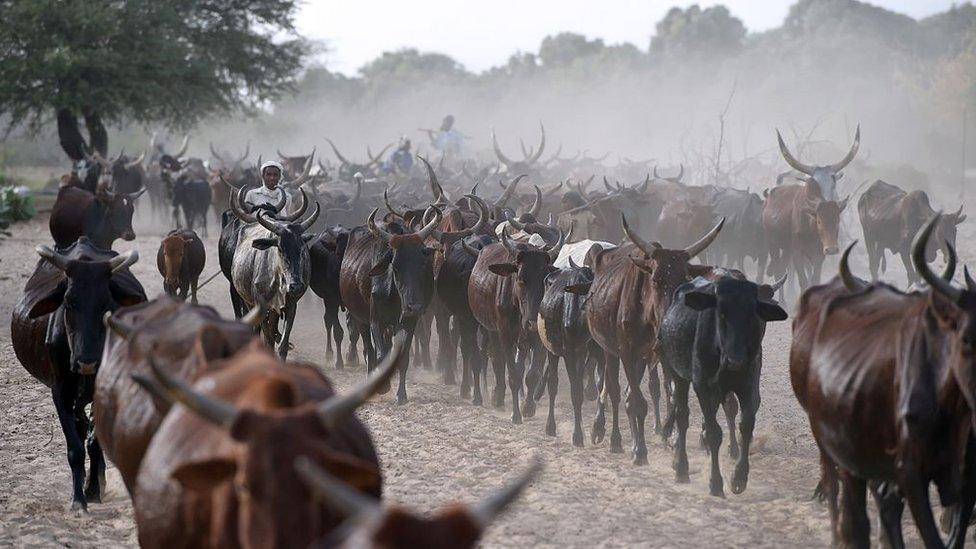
(263, 452)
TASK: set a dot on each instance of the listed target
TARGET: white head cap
(272, 164)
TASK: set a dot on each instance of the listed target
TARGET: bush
(15, 205)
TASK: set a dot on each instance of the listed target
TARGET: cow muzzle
(85, 368)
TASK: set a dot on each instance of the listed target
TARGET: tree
(410, 65)
(697, 32)
(141, 61)
(566, 47)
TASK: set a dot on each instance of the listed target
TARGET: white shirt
(264, 195)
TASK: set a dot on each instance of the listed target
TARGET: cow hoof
(551, 429)
(640, 458)
(715, 489)
(615, 445)
(477, 401)
(739, 480)
(401, 400)
(93, 494)
(528, 408)
(516, 419)
(79, 507)
(599, 431)
(578, 439)
(498, 398)
(465, 391)
(681, 477)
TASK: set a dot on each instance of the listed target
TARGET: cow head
(81, 300)
(739, 316)
(274, 507)
(173, 248)
(117, 209)
(575, 282)
(946, 232)
(527, 164)
(955, 312)
(409, 261)
(347, 169)
(290, 239)
(530, 266)
(396, 527)
(826, 216)
(824, 177)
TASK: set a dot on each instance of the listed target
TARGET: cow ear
(380, 267)
(770, 312)
(49, 303)
(309, 237)
(503, 269)
(579, 289)
(126, 294)
(699, 300)
(264, 243)
(203, 476)
(358, 473)
(960, 219)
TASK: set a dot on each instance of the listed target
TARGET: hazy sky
(483, 33)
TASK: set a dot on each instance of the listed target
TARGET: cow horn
(104, 163)
(482, 214)
(120, 327)
(844, 270)
(236, 204)
(537, 205)
(52, 257)
(469, 248)
(306, 171)
(699, 247)
(608, 185)
(554, 190)
(498, 151)
(123, 261)
(281, 156)
(572, 264)
(970, 283)
(918, 261)
(214, 152)
(247, 152)
(776, 285)
(132, 196)
(379, 157)
(850, 154)
(183, 147)
(256, 315)
(507, 243)
(282, 201)
(429, 228)
(950, 269)
(793, 162)
(435, 186)
(137, 161)
(516, 224)
(307, 224)
(554, 250)
(642, 244)
(301, 209)
(487, 510)
(509, 191)
(342, 497)
(542, 146)
(338, 408)
(267, 224)
(337, 153)
(215, 411)
(376, 231)
(386, 199)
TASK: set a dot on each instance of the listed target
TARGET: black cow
(58, 335)
(192, 197)
(711, 337)
(325, 255)
(102, 216)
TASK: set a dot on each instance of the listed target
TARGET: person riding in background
(447, 140)
(267, 195)
(401, 160)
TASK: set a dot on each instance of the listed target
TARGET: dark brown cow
(217, 472)
(890, 396)
(456, 526)
(632, 288)
(181, 258)
(505, 290)
(103, 216)
(801, 229)
(58, 336)
(682, 219)
(891, 217)
(183, 339)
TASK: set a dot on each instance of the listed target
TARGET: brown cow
(890, 218)
(631, 290)
(890, 395)
(184, 339)
(682, 219)
(505, 290)
(801, 229)
(374, 526)
(218, 471)
(180, 259)
(103, 216)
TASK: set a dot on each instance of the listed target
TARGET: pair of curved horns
(808, 169)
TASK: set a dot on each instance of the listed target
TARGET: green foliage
(406, 66)
(14, 207)
(566, 47)
(695, 32)
(144, 60)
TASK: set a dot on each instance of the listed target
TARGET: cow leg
(574, 371)
(369, 350)
(552, 384)
(611, 381)
(709, 401)
(516, 379)
(854, 528)
(600, 421)
(593, 357)
(474, 362)
(334, 327)
(464, 346)
(236, 302)
(534, 376)
(817, 268)
(64, 393)
(680, 462)
(873, 260)
(915, 490)
(654, 389)
(730, 406)
(289, 318)
(499, 363)
(270, 328)
(963, 509)
(749, 401)
(355, 331)
(95, 485)
(636, 407)
(409, 325)
(421, 338)
(447, 346)
(910, 273)
(890, 508)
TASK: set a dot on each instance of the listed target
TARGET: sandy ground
(439, 448)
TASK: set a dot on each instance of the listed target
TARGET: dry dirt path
(438, 448)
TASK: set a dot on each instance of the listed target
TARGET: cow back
(355, 283)
(492, 297)
(70, 215)
(619, 307)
